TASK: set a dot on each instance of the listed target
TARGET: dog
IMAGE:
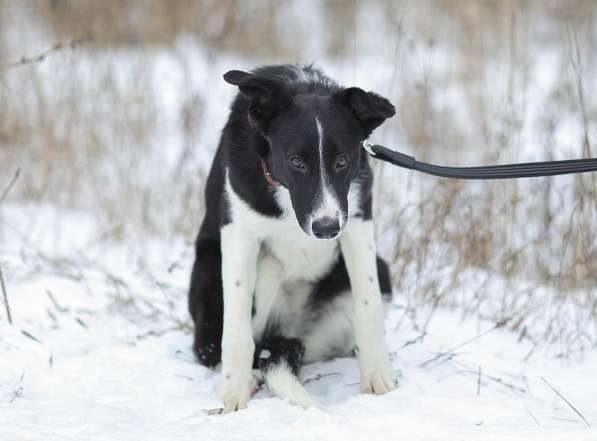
(286, 269)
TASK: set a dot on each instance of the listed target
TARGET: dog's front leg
(239, 264)
(358, 249)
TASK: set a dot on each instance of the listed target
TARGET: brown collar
(267, 175)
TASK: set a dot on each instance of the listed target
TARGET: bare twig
(451, 352)
(10, 184)
(506, 384)
(495, 379)
(159, 333)
(5, 296)
(184, 355)
(320, 376)
(184, 376)
(479, 382)
(32, 337)
(415, 340)
(171, 308)
(532, 416)
(18, 393)
(57, 305)
(566, 401)
(24, 60)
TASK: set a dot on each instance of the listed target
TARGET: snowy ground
(100, 346)
(100, 350)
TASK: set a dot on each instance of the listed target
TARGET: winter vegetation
(110, 113)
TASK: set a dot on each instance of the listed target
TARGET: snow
(114, 363)
(100, 347)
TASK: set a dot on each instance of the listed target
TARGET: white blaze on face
(328, 205)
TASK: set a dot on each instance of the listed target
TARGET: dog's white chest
(301, 256)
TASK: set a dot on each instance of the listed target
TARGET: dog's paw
(232, 403)
(377, 379)
(235, 398)
(236, 392)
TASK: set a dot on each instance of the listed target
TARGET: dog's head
(315, 144)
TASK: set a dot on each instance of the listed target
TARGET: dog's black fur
(272, 120)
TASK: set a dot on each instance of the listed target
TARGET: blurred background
(111, 112)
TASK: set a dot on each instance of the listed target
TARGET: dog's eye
(341, 162)
(297, 162)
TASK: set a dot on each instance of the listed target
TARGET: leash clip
(367, 146)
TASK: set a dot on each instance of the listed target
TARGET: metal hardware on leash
(507, 171)
(367, 146)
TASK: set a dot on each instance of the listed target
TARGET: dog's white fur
(283, 383)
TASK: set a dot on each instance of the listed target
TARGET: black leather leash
(508, 171)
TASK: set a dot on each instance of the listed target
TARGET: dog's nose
(326, 227)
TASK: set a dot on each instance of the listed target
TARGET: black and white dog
(286, 270)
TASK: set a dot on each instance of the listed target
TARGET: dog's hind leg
(280, 360)
(205, 302)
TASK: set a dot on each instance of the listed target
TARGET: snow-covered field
(100, 350)
(114, 142)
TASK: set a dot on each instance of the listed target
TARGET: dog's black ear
(369, 108)
(268, 97)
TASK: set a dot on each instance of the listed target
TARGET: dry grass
(90, 144)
